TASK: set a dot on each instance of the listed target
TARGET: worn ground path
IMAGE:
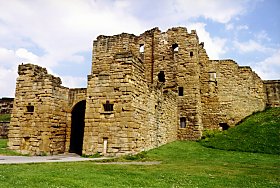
(63, 158)
(45, 159)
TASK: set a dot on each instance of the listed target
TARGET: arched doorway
(77, 127)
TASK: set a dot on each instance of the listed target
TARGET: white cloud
(74, 82)
(250, 46)
(231, 26)
(219, 10)
(7, 81)
(26, 56)
(242, 27)
(62, 28)
(8, 72)
(269, 68)
(262, 35)
(214, 46)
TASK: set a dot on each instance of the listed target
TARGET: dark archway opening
(77, 128)
(224, 126)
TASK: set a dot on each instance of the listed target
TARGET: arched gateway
(77, 127)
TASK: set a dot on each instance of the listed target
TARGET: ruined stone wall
(230, 93)
(4, 129)
(272, 88)
(6, 105)
(39, 116)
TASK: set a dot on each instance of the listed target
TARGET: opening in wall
(183, 122)
(161, 76)
(141, 48)
(191, 54)
(181, 91)
(175, 47)
(108, 107)
(212, 76)
(224, 126)
(30, 108)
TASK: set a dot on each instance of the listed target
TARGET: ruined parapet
(236, 93)
(39, 118)
(272, 88)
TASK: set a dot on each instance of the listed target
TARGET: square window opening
(183, 122)
(108, 107)
(30, 108)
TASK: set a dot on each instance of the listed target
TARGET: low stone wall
(4, 129)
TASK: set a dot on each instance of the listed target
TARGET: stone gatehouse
(143, 91)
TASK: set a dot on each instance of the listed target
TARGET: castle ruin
(143, 91)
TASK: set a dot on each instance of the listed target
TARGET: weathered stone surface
(6, 105)
(143, 91)
(273, 92)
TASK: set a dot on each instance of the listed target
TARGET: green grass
(5, 117)
(184, 164)
(4, 150)
(259, 132)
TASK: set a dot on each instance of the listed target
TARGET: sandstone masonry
(143, 91)
(6, 106)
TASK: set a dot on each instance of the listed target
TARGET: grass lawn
(184, 164)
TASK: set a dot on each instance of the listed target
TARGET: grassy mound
(259, 133)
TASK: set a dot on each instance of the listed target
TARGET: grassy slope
(258, 133)
(184, 164)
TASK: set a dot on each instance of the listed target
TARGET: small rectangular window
(212, 76)
(183, 123)
(181, 91)
(161, 76)
(191, 54)
(30, 108)
(141, 48)
(108, 107)
(175, 47)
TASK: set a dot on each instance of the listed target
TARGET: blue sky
(58, 35)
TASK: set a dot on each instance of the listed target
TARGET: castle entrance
(77, 128)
